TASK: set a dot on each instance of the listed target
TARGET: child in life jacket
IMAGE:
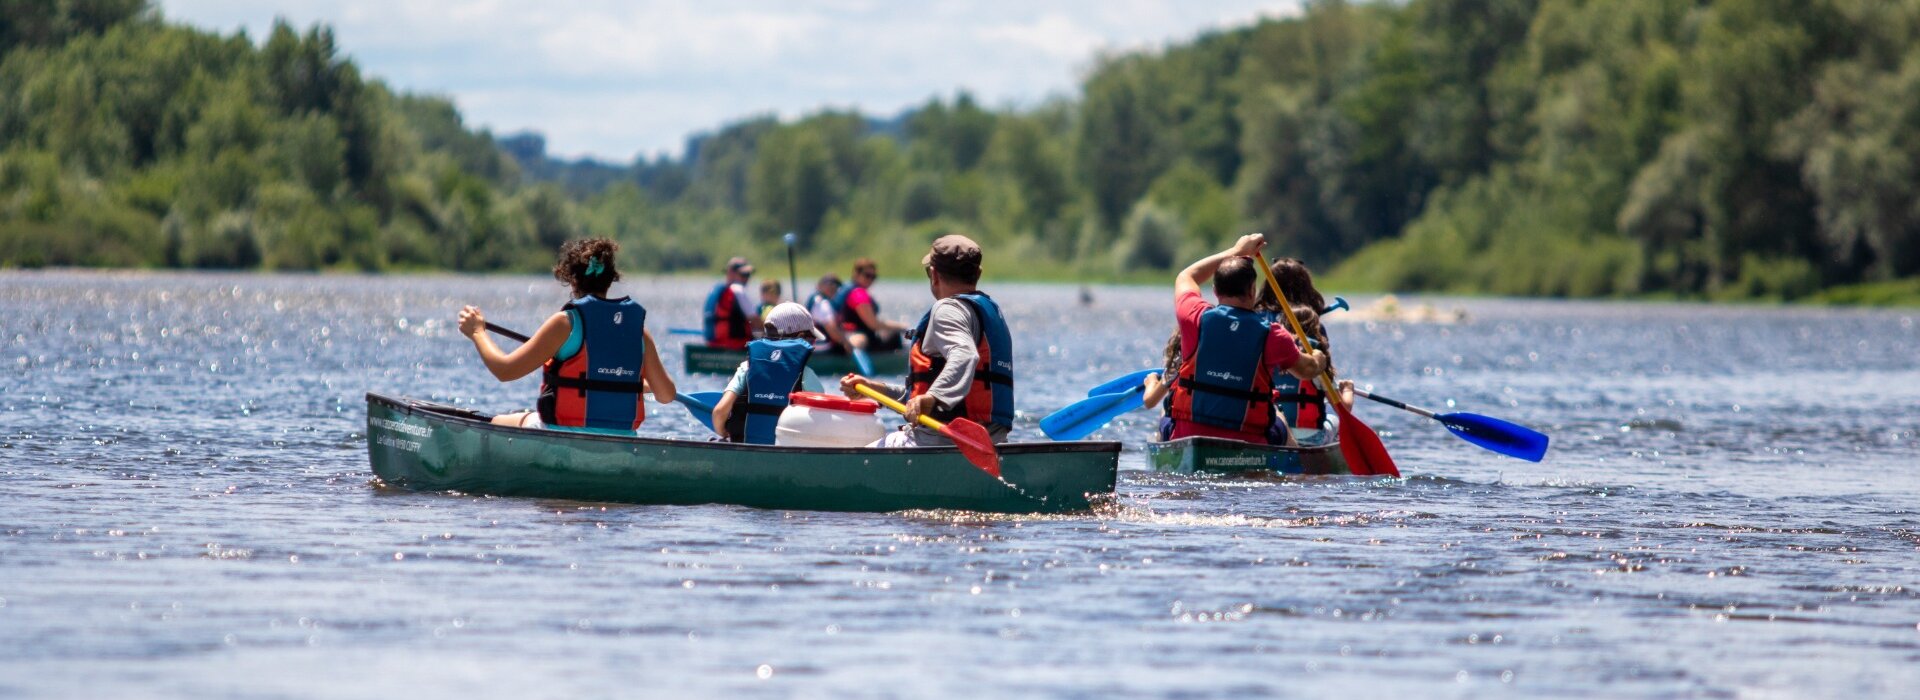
(1301, 403)
(776, 366)
(769, 296)
(1159, 389)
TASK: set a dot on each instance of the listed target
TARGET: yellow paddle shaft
(1286, 308)
(899, 407)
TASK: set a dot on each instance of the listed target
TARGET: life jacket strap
(1301, 399)
(761, 409)
(990, 377)
(596, 384)
(1227, 391)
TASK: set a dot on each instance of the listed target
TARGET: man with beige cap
(961, 359)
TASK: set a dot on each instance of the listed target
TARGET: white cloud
(612, 78)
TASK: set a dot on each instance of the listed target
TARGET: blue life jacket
(1227, 382)
(774, 370)
(989, 400)
(599, 386)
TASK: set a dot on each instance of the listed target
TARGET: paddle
(700, 404)
(1358, 443)
(1083, 417)
(1339, 304)
(507, 333)
(687, 331)
(793, 273)
(972, 439)
(1124, 382)
(1510, 439)
(865, 361)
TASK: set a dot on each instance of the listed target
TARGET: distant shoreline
(1901, 294)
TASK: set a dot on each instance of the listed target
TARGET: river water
(1730, 509)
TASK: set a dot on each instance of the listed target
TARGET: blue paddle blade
(1506, 438)
(1085, 416)
(1123, 383)
(700, 404)
(686, 331)
(865, 361)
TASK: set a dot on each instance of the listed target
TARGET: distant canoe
(1216, 455)
(422, 446)
(702, 359)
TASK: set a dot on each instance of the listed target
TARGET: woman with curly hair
(595, 355)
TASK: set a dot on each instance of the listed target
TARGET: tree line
(1720, 148)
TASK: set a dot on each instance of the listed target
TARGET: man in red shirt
(1230, 352)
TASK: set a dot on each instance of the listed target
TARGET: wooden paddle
(972, 438)
(1358, 443)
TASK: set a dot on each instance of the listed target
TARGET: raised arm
(1190, 279)
(508, 366)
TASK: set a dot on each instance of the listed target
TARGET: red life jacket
(989, 399)
(726, 324)
(1227, 381)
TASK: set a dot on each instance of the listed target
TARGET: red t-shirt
(1281, 353)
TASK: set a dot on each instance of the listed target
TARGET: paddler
(820, 304)
(595, 355)
(729, 310)
(962, 355)
(1230, 352)
(859, 314)
(1301, 403)
(776, 366)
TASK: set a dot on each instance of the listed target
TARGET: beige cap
(953, 252)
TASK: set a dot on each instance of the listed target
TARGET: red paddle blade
(975, 444)
(1365, 454)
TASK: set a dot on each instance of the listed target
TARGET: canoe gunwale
(1199, 454)
(483, 421)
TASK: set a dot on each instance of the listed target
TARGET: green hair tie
(594, 267)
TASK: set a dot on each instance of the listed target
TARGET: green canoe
(702, 359)
(430, 447)
(1216, 455)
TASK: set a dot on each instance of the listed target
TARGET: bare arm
(1157, 390)
(1309, 366)
(508, 366)
(865, 312)
(1190, 279)
(655, 374)
(722, 410)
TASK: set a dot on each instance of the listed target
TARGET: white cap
(789, 318)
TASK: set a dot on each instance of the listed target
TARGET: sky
(613, 79)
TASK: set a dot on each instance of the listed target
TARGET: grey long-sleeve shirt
(950, 334)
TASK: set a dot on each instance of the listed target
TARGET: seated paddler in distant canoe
(861, 325)
(776, 367)
(730, 314)
(961, 356)
(1230, 352)
(595, 355)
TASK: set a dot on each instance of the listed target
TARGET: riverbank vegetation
(1719, 149)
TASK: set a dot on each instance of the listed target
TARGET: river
(1730, 509)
